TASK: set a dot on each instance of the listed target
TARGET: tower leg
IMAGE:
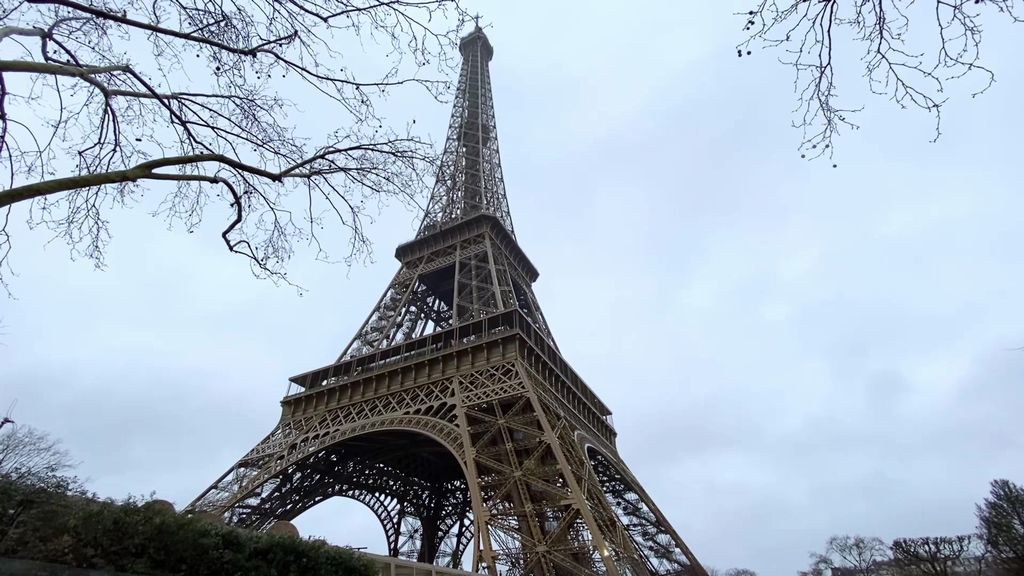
(661, 548)
(539, 520)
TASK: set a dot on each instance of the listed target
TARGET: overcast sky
(790, 350)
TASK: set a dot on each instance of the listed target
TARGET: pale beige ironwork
(451, 414)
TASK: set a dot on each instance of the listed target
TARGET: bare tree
(730, 572)
(104, 100)
(937, 556)
(850, 555)
(1001, 525)
(909, 50)
(30, 456)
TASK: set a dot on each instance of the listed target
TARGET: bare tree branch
(809, 34)
(937, 556)
(100, 102)
(853, 555)
(1001, 525)
(30, 456)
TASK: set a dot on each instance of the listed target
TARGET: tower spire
(469, 180)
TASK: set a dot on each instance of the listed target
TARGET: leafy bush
(71, 528)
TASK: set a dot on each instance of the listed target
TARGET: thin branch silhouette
(909, 51)
(101, 103)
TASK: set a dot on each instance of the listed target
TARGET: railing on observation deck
(462, 336)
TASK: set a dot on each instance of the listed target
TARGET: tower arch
(407, 475)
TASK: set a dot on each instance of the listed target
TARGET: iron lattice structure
(451, 414)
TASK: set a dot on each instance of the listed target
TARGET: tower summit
(451, 414)
(469, 180)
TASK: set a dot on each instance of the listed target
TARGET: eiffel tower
(451, 414)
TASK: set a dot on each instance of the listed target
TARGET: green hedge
(77, 530)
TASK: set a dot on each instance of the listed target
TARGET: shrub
(74, 529)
